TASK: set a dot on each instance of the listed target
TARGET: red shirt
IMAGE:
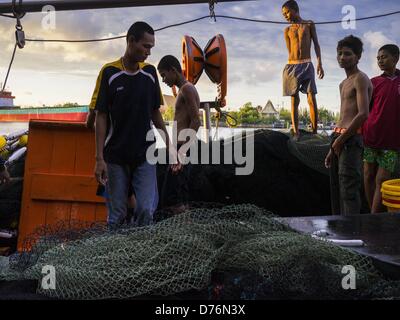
(382, 128)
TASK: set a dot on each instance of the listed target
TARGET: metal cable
(9, 67)
(219, 16)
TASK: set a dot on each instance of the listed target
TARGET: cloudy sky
(49, 73)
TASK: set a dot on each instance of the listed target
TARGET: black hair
(138, 29)
(392, 49)
(352, 42)
(168, 62)
(291, 4)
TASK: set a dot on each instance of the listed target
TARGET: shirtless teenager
(186, 117)
(345, 156)
(299, 74)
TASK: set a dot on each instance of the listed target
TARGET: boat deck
(379, 232)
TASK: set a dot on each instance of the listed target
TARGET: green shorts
(386, 159)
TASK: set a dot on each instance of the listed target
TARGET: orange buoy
(216, 64)
(215, 58)
(213, 61)
(192, 59)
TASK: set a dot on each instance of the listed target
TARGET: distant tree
(304, 116)
(268, 119)
(70, 104)
(235, 116)
(66, 105)
(285, 114)
(327, 116)
(248, 114)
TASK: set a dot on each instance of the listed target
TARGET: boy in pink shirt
(381, 131)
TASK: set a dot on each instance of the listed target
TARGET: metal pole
(207, 122)
(61, 5)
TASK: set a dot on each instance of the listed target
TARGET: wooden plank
(63, 162)
(64, 187)
(85, 153)
(101, 212)
(83, 212)
(59, 183)
(38, 159)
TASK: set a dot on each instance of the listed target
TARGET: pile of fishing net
(278, 175)
(213, 252)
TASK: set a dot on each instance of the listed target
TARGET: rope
(224, 17)
(18, 27)
(9, 67)
(211, 7)
(6, 16)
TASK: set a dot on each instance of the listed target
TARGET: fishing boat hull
(74, 114)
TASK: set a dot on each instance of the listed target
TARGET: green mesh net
(224, 252)
(311, 150)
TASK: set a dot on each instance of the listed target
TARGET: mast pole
(66, 5)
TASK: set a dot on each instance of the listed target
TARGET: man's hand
(320, 71)
(338, 146)
(328, 159)
(100, 172)
(176, 168)
(175, 165)
(90, 119)
(4, 176)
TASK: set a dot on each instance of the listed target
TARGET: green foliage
(248, 114)
(285, 115)
(67, 105)
(326, 116)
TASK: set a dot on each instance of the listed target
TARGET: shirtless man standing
(186, 117)
(299, 74)
(345, 156)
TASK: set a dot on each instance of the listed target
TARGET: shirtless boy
(345, 156)
(381, 131)
(299, 74)
(186, 117)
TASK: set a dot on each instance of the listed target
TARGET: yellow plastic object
(391, 195)
(392, 185)
(3, 142)
(23, 140)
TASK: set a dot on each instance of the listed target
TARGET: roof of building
(269, 108)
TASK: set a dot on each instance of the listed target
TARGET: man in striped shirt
(127, 99)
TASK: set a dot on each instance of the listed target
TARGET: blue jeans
(143, 180)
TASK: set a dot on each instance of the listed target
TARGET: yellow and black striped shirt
(129, 100)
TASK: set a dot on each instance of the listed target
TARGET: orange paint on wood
(59, 182)
(64, 187)
(101, 212)
(33, 214)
